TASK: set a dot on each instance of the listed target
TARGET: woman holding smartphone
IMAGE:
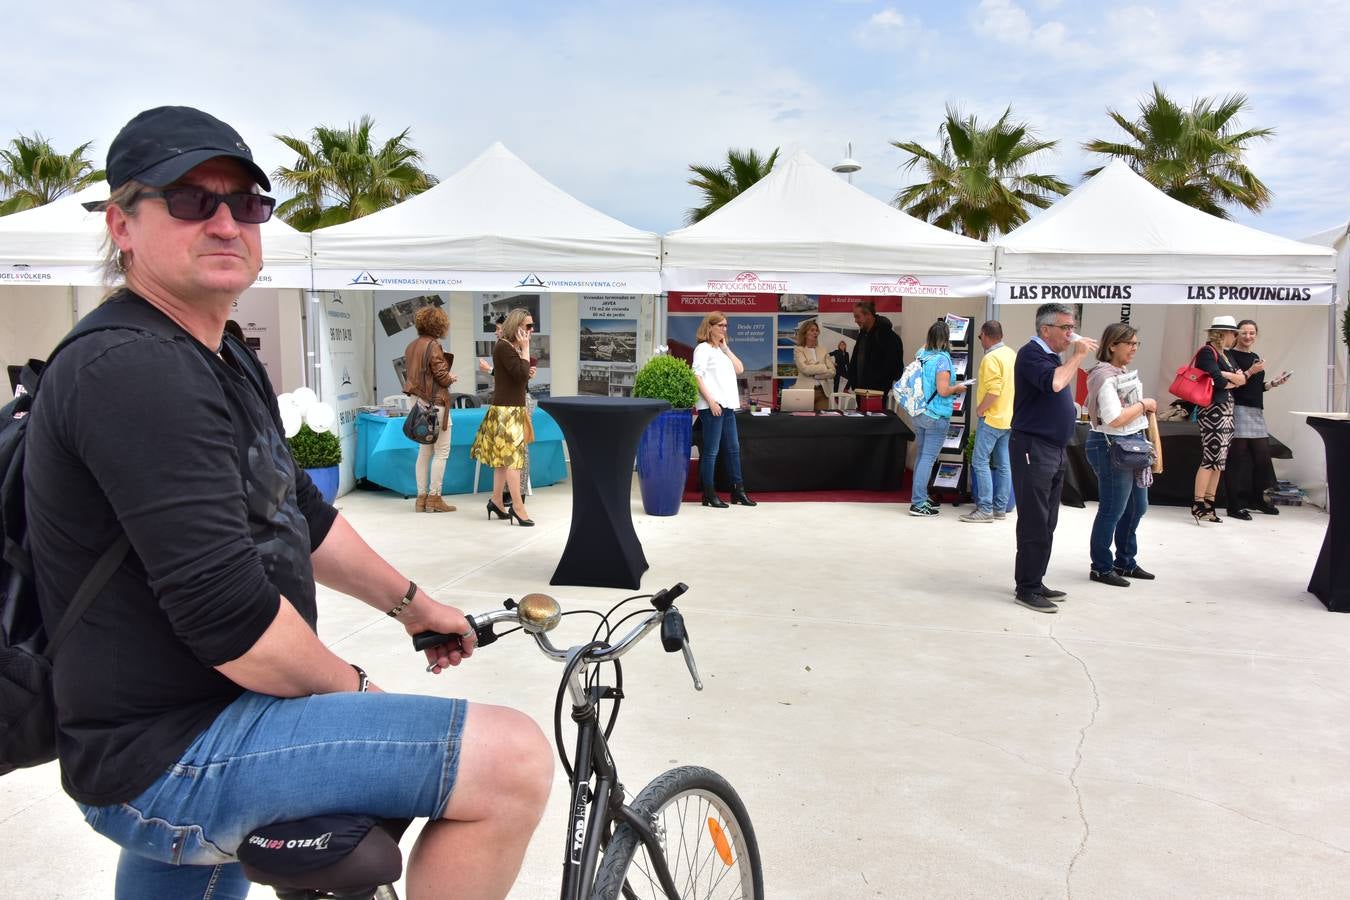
(1249, 468)
(506, 429)
(715, 368)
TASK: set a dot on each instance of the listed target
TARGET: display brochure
(954, 434)
(948, 474)
(957, 326)
(959, 360)
(958, 403)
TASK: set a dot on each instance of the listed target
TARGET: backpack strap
(94, 582)
(128, 315)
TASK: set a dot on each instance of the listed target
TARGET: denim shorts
(267, 759)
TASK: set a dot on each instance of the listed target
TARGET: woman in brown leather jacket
(429, 380)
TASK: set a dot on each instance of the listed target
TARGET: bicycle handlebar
(538, 614)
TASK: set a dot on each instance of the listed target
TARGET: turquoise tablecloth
(385, 456)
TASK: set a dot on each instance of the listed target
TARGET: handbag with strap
(422, 425)
(1193, 385)
(1130, 453)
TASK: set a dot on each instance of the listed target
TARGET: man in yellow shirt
(994, 407)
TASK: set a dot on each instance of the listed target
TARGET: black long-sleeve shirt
(157, 436)
(1253, 393)
(1213, 363)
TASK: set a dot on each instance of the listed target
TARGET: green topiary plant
(315, 449)
(667, 378)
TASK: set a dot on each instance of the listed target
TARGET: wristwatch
(407, 598)
(363, 680)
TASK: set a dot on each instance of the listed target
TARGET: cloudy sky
(612, 101)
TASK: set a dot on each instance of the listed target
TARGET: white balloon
(304, 398)
(287, 401)
(320, 417)
(290, 421)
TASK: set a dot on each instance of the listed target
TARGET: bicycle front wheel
(706, 839)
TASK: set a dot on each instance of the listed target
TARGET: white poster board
(343, 371)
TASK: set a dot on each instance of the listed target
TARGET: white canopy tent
(1338, 239)
(50, 260)
(1125, 248)
(803, 230)
(62, 243)
(494, 225)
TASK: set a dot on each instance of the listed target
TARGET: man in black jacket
(200, 655)
(878, 356)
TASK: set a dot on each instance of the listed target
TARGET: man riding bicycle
(195, 700)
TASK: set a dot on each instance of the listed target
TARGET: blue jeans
(266, 759)
(929, 433)
(991, 441)
(719, 437)
(1120, 506)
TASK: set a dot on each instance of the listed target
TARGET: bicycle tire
(693, 803)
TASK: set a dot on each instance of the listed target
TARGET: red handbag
(1193, 385)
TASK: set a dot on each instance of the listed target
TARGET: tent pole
(1331, 354)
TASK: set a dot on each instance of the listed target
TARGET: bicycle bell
(538, 613)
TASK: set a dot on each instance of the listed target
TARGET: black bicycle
(685, 836)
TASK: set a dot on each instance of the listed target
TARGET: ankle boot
(436, 504)
(421, 504)
(738, 495)
(710, 498)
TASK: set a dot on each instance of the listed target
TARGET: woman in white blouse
(716, 368)
(815, 367)
(1117, 407)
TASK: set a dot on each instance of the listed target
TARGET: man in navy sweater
(1042, 423)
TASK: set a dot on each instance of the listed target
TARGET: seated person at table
(814, 367)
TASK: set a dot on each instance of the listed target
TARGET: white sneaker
(1000, 514)
(976, 516)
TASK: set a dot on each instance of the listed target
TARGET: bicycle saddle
(341, 856)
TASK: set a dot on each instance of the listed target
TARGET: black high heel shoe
(517, 520)
(1198, 511)
(492, 510)
(1210, 514)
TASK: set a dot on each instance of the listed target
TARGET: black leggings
(1249, 472)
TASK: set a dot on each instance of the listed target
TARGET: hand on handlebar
(432, 615)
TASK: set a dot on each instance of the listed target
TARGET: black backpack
(27, 647)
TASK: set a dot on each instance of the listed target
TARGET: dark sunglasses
(528, 326)
(196, 204)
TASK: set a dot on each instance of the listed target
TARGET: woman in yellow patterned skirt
(506, 427)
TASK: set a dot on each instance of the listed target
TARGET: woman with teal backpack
(930, 426)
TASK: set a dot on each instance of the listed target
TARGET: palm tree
(341, 175)
(978, 184)
(721, 184)
(1192, 155)
(33, 174)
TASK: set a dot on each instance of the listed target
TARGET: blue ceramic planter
(663, 461)
(326, 480)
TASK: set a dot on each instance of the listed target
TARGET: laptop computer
(797, 400)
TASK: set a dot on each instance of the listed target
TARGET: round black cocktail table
(602, 436)
(1330, 580)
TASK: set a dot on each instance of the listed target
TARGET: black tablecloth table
(1331, 576)
(1174, 487)
(602, 436)
(784, 452)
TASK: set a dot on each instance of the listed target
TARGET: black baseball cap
(161, 145)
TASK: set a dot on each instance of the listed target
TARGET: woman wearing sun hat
(1216, 420)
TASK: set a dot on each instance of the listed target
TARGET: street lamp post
(848, 165)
